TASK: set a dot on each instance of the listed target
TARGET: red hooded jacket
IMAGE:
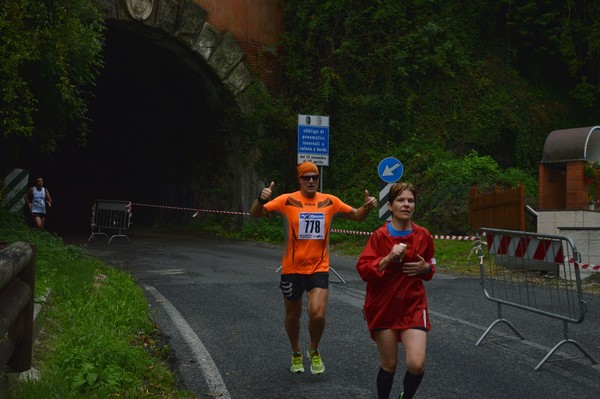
(395, 300)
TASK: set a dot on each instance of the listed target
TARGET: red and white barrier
(526, 247)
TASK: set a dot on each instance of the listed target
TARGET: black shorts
(293, 285)
(38, 215)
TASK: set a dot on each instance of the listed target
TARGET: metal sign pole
(321, 178)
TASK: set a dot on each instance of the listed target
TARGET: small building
(564, 191)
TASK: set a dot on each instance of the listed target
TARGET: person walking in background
(394, 263)
(307, 216)
(38, 199)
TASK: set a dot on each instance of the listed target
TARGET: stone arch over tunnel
(163, 129)
(185, 22)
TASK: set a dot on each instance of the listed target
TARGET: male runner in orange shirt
(307, 216)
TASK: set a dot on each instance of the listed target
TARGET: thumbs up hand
(370, 202)
(267, 192)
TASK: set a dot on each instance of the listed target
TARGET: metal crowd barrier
(110, 215)
(537, 273)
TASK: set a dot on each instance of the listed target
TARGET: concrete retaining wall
(582, 226)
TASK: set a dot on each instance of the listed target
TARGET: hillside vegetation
(462, 93)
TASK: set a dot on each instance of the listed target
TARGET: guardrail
(536, 273)
(110, 215)
(17, 279)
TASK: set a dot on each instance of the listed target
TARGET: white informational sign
(313, 139)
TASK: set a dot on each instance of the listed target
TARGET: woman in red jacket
(394, 263)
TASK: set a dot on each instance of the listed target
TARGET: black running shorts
(293, 285)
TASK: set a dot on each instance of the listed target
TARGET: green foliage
(557, 43)
(92, 316)
(429, 82)
(452, 256)
(265, 229)
(590, 169)
(50, 56)
(99, 340)
(270, 131)
(395, 70)
(444, 192)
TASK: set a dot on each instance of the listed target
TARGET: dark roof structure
(582, 143)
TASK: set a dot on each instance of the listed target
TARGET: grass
(98, 340)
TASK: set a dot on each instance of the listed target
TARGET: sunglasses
(307, 178)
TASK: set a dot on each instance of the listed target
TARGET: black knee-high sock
(411, 383)
(385, 381)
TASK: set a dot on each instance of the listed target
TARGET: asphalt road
(218, 304)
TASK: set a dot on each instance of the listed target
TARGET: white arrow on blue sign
(390, 170)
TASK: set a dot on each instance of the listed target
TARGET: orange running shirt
(306, 228)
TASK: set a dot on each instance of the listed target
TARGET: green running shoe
(297, 366)
(316, 364)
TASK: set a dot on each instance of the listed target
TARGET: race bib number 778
(312, 226)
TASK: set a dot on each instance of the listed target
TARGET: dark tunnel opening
(156, 121)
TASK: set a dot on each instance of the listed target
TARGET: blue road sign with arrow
(390, 170)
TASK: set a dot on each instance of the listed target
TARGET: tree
(50, 56)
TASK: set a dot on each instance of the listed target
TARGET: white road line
(205, 361)
(354, 297)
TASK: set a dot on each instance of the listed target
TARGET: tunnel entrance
(158, 133)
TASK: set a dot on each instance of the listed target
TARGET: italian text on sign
(313, 139)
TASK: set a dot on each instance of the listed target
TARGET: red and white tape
(591, 267)
(365, 233)
(585, 265)
(361, 233)
(445, 237)
(195, 210)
